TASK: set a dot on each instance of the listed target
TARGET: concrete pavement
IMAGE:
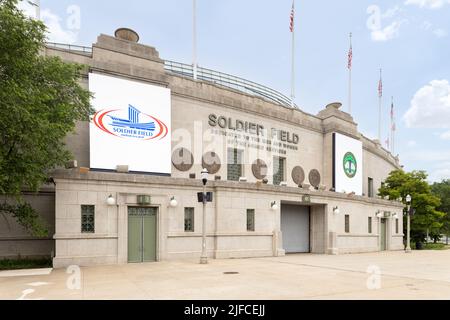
(385, 275)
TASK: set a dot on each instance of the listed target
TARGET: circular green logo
(350, 165)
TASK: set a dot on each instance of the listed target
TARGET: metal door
(141, 234)
(383, 234)
(295, 227)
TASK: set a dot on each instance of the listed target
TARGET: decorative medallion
(211, 162)
(298, 175)
(259, 169)
(182, 159)
(350, 165)
(314, 178)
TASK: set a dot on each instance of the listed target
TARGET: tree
(40, 102)
(426, 218)
(442, 190)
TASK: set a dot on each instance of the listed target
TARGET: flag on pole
(350, 56)
(393, 117)
(380, 87)
(291, 25)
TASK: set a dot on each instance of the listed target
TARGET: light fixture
(204, 176)
(274, 206)
(336, 210)
(379, 214)
(395, 216)
(408, 199)
(173, 202)
(111, 201)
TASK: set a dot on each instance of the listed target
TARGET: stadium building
(283, 181)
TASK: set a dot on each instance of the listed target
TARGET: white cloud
(440, 33)
(445, 135)
(391, 12)
(429, 4)
(27, 9)
(440, 172)
(389, 32)
(430, 107)
(56, 33)
(439, 175)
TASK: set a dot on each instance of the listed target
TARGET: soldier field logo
(138, 125)
(350, 165)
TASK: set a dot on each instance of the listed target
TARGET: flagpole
(392, 125)
(194, 38)
(380, 95)
(293, 57)
(393, 128)
(350, 77)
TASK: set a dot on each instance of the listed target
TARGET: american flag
(350, 57)
(380, 88)
(291, 25)
(394, 127)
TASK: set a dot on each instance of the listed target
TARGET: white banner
(131, 125)
(348, 164)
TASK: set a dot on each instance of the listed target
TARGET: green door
(383, 234)
(141, 234)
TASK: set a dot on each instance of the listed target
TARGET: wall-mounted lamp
(173, 202)
(395, 216)
(111, 201)
(379, 214)
(336, 210)
(274, 206)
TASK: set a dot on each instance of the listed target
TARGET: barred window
(189, 219)
(87, 219)
(370, 188)
(279, 165)
(250, 219)
(347, 223)
(234, 164)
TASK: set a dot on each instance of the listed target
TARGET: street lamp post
(408, 224)
(204, 256)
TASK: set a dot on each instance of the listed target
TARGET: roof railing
(208, 75)
(69, 47)
(228, 81)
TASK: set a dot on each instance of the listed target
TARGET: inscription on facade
(253, 135)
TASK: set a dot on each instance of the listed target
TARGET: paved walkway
(419, 275)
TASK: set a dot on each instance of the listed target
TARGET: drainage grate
(231, 272)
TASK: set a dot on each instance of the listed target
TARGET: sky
(408, 39)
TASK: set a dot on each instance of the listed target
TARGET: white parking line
(25, 273)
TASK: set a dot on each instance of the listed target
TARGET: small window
(251, 220)
(370, 188)
(189, 219)
(347, 223)
(87, 219)
(370, 225)
(396, 226)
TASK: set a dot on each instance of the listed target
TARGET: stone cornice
(62, 175)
